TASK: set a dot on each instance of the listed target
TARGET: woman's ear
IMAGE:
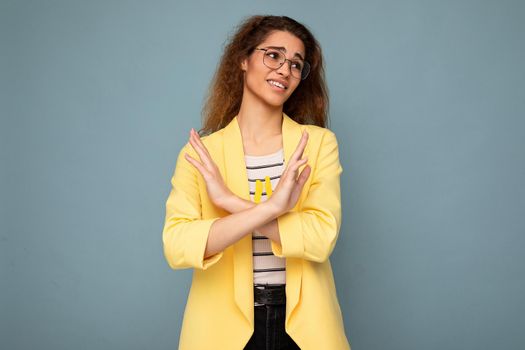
(244, 64)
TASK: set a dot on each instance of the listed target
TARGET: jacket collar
(237, 181)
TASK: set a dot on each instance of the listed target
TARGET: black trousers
(269, 333)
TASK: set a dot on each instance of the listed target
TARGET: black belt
(270, 295)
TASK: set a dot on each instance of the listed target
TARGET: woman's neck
(258, 123)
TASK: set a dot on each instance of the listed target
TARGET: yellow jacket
(219, 312)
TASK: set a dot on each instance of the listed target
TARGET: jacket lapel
(237, 181)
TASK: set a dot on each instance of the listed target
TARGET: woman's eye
(274, 55)
(297, 65)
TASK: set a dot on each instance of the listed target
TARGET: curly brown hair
(307, 105)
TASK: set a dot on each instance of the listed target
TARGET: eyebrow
(297, 54)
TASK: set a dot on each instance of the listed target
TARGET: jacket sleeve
(185, 232)
(311, 232)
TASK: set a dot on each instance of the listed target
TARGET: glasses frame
(305, 63)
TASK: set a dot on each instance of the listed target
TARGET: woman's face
(258, 77)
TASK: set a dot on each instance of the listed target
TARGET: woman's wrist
(234, 204)
(272, 208)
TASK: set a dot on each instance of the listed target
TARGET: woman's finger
(299, 164)
(301, 146)
(196, 145)
(196, 164)
(297, 154)
(304, 175)
(292, 169)
(201, 151)
(295, 167)
(199, 142)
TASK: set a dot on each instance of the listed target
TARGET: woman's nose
(286, 67)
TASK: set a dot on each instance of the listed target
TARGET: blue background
(427, 102)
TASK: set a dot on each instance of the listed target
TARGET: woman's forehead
(285, 41)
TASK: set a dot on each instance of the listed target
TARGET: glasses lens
(297, 68)
(305, 71)
(273, 59)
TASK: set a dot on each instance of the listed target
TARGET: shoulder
(211, 141)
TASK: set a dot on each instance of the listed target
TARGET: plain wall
(427, 102)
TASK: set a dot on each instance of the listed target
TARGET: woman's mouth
(276, 86)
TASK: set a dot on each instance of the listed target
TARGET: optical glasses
(274, 59)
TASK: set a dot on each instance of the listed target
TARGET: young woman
(256, 228)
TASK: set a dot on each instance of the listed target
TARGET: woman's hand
(218, 192)
(289, 188)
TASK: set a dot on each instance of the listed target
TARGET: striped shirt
(264, 173)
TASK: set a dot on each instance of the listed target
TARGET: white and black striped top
(264, 173)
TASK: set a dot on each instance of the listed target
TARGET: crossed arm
(311, 233)
(269, 229)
